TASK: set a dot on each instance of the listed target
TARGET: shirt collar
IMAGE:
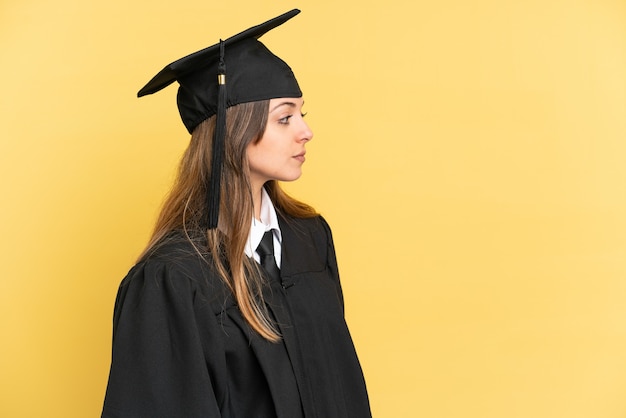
(268, 221)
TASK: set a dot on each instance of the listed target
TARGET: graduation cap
(237, 70)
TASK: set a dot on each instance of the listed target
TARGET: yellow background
(470, 156)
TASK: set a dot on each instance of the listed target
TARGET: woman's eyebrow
(290, 104)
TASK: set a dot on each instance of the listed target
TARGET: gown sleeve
(164, 361)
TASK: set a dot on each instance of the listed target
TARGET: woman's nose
(307, 133)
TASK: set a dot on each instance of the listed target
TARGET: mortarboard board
(237, 70)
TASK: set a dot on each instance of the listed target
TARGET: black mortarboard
(238, 70)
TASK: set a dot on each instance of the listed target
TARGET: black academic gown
(181, 347)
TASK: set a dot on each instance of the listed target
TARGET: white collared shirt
(268, 221)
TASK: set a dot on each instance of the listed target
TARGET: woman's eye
(285, 120)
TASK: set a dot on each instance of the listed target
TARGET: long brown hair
(185, 207)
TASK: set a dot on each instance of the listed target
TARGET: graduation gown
(181, 347)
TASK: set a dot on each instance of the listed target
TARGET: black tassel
(217, 159)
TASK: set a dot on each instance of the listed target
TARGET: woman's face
(279, 154)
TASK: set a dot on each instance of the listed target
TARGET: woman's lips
(300, 157)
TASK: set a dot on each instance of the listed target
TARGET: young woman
(235, 307)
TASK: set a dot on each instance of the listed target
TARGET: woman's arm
(159, 366)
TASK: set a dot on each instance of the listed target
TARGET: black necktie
(266, 254)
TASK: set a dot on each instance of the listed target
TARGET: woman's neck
(257, 197)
